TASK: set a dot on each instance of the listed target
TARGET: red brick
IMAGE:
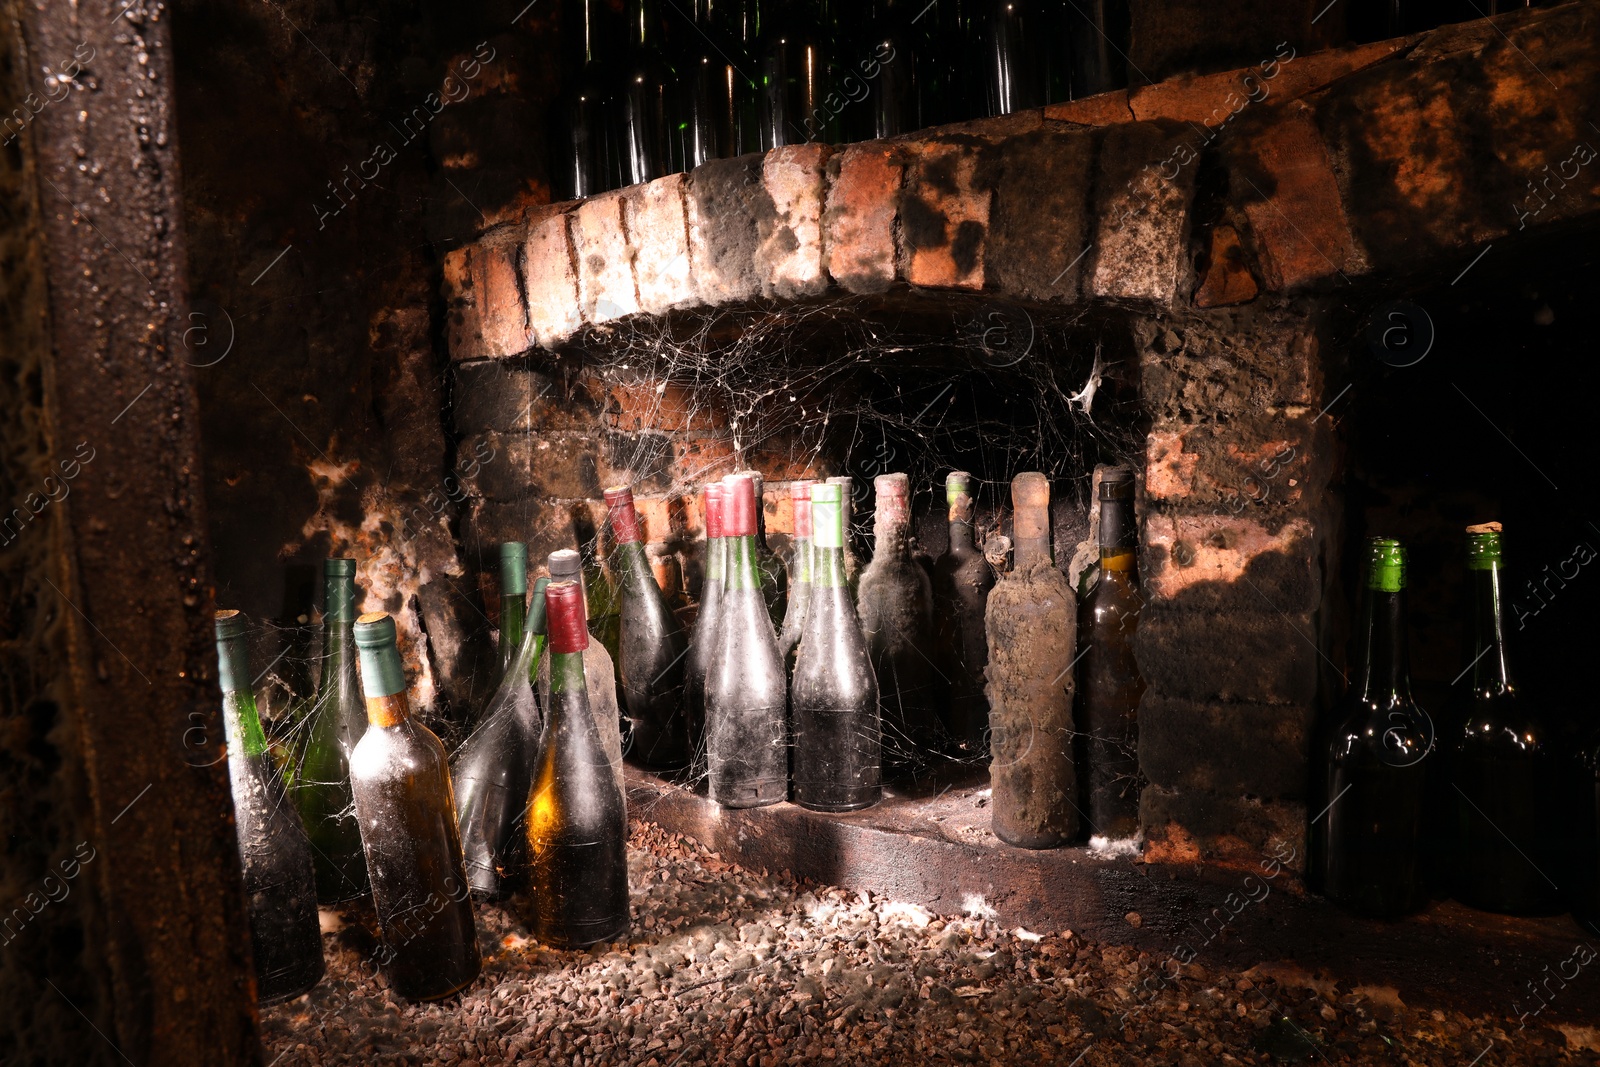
(788, 259)
(944, 217)
(1102, 109)
(1228, 279)
(1186, 551)
(1300, 225)
(606, 288)
(665, 407)
(858, 225)
(658, 234)
(1145, 184)
(484, 295)
(550, 282)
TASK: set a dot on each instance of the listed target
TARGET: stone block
(1256, 657)
(1194, 826)
(1228, 277)
(550, 281)
(1038, 231)
(1143, 192)
(497, 466)
(789, 255)
(1212, 562)
(1259, 750)
(726, 203)
(858, 225)
(483, 298)
(1102, 109)
(944, 214)
(565, 467)
(606, 288)
(658, 234)
(1285, 185)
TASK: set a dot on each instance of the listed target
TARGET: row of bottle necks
(1477, 801)
(654, 89)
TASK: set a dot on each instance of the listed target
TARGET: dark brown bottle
(1504, 774)
(962, 579)
(279, 885)
(794, 619)
(1032, 628)
(403, 798)
(774, 576)
(653, 649)
(838, 752)
(747, 728)
(895, 602)
(1109, 683)
(703, 642)
(1374, 767)
(577, 818)
(493, 768)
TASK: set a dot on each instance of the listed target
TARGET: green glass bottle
(329, 731)
(1502, 769)
(703, 639)
(513, 599)
(774, 576)
(577, 813)
(1374, 763)
(838, 731)
(401, 782)
(280, 887)
(565, 566)
(794, 619)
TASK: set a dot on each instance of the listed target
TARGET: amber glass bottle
(328, 732)
(1032, 626)
(279, 885)
(895, 602)
(747, 732)
(403, 798)
(1504, 774)
(577, 819)
(1374, 765)
(653, 649)
(962, 579)
(493, 769)
(1109, 683)
(838, 753)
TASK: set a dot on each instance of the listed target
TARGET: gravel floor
(731, 967)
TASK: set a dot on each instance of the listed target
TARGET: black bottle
(644, 132)
(653, 648)
(493, 768)
(747, 732)
(586, 159)
(577, 818)
(403, 800)
(838, 750)
(279, 884)
(962, 579)
(1374, 763)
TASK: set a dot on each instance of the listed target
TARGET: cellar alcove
(1148, 276)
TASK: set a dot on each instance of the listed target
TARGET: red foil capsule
(564, 615)
(624, 519)
(800, 498)
(714, 501)
(739, 506)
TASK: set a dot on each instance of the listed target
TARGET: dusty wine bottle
(653, 648)
(1109, 683)
(794, 619)
(1031, 621)
(774, 577)
(403, 797)
(1503, 771)
(331, 728)
(279, 885)
(567, 566)
(1374, 764)
(577, 819)
(703, 641)
(962, 579)
(852, 565)
(895, 601)
(493, 769)
(838, 744)
(513, 599)
(747, 729)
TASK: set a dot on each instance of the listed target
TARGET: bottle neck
(961, 537)
(742, 567)
(827, 567)
(802, 559)
(716, 559)
(1032, 545)
(891, 534)
(1386, 671)
(242, 722)
(1490, 670)
(566, 673)
(338, 650)
(633, 565)
(513, 616)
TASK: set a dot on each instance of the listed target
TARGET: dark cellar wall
(331, 154)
